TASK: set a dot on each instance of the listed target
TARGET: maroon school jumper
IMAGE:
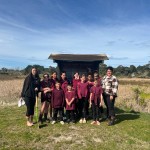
(96, 92)
(75, 84)
(64, 84)
(90, 84)
(99, 81)
(69, 96)
(82, 89)
(58, 98)
(46, 84)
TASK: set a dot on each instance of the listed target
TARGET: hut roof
(78, 57)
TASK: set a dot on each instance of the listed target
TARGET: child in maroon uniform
(96, 101)
(70, 104)
(75, 81)
(90, 84)
(98, 79)
(58, 99)
(64, 81)
(82, 90)
(46, 89)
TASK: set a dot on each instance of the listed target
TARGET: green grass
(145, 95)
(131, 131)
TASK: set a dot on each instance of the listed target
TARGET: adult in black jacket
(29, 91)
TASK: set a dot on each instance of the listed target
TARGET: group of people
(71, 99)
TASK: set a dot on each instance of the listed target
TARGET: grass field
(131, 131)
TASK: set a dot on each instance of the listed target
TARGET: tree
(102, 69)
(133, 69)
(40, 69)
(4, 70)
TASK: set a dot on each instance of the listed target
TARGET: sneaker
(81, 121)
(53, 122)
(93, 122)
(62, 122)
(98, 123)
(84, 120)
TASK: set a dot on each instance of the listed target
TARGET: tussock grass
(10, 91)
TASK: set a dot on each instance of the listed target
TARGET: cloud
(16, 25)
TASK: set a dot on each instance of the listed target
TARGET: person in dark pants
(110, 88)
(98, 79)
(30, 88)
(96, 101)
(64, 83)
(82, 90)
(58, 99)
(90, 84)
(75, 81)
(47, 85)
(70, 104)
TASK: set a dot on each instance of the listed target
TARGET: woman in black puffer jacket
(30, 88)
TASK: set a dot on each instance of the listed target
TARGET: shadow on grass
(42, 126)
(122, 115)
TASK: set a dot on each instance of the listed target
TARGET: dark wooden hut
(82, 63)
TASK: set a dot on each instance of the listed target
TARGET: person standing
(64, 81)
(58, 101)
(82, 90)
(46, 90)
(29, 92)
(110, 88)
(96, 101)
(70, 104)
(75, 81)
(90, 85)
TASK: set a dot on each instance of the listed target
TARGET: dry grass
(134, 81)
(10, 92)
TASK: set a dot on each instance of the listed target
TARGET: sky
(30, 30)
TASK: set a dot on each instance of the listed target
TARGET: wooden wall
(81, 67)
